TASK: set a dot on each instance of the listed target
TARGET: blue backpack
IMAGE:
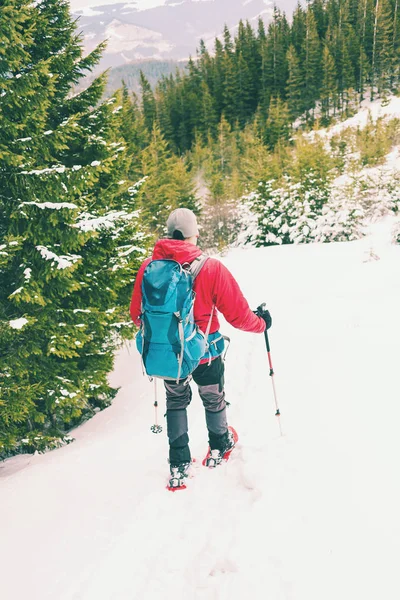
(169, 341)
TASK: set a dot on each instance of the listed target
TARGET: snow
(90, 223)
(62, 262)
(123, 37)
(368, 109)
(51, 205)
(55, 169)
(89, 12)
(308, 516)
(85, 6)
(17, 291)
(18, 323)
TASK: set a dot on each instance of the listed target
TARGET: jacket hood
(178, 250)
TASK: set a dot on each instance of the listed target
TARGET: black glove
(264, 314)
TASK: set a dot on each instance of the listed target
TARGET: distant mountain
(130, 73)
(168, 32)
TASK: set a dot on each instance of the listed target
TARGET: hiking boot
(213, 459)
(179, 473)
(223, 445)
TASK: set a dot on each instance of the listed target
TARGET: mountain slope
(308, 516)
(170, 31)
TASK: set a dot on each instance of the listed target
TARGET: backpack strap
(182, 341)
(197, 265)
(194, 270)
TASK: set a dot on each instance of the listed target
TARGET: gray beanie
(183, 220)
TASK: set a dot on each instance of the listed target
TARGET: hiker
(215, 290)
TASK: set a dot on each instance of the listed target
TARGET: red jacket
(214, 286)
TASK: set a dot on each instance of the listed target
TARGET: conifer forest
(87, 181)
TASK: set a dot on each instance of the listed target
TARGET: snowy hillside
(310, 515)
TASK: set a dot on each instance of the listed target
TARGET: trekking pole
(271, 372)
(156, 428)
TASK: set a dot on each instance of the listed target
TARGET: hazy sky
(141, 4)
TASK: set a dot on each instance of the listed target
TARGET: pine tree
(321, 18)
(383, 52)
(294, 89)
(230, 84)
(348, 81)
(298, 31)
(168, 184)
(312, 62)
(255, 160)
(277, 126)
(205, 64)
(218, 77)
(133, 131)
(365, 30)
(70, 237)
(396, 42)
(244, 98)
(275, 55)
(165, 111)
(329, 84)
(148, 102)
(206, 118)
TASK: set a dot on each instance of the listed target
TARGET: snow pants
(210, 381)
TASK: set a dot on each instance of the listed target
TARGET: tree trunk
(374, 50)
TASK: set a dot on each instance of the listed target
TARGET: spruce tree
(312, 62)
(396, 43)
(365, 32)
(244, 98)
(168, 184)
(164, 96)
(70, 238)
(321, 18)
(383, 51)
(298, 30)
(230, 84)
(277, 126)
(295, 83)
(275, 55)
(148, 102)
(329, 85)
(207, 117)
(205, 64)
(133, 131)
(218, 78)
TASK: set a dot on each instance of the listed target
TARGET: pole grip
(266, 339)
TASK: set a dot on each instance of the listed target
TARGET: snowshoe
(179, 473)
(215, 456)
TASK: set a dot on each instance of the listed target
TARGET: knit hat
(183, 220)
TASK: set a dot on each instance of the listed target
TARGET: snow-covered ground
(312, 515)
(368, 110)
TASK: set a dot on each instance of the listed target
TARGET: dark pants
(210, 381)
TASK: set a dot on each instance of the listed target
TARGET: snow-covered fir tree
(70, 238)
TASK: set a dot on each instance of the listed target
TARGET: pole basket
(156, 428)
